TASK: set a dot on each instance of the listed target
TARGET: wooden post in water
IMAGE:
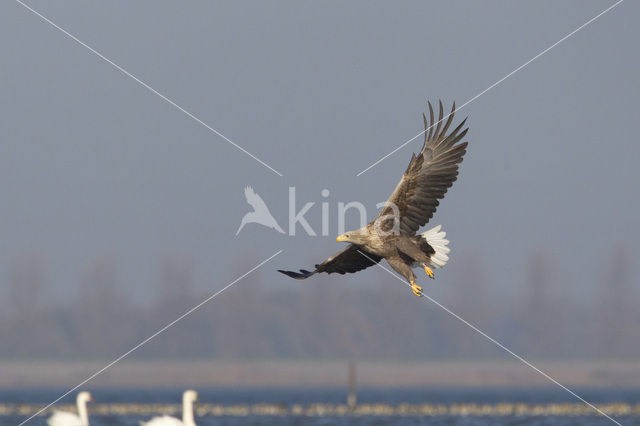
(352, 398)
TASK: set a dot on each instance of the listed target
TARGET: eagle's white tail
(437, 240)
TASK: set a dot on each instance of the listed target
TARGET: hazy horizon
(97, 170)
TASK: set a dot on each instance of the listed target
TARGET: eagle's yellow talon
(429, 272)
(417, 290)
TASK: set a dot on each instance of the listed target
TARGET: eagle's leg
(417, 290)
(403, 267)
(428, 270)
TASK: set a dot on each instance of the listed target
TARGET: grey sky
(93, 164)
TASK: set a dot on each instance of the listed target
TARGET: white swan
(188, 398)
(63, 418)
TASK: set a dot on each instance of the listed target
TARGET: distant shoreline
(342, 410)
(218, 373)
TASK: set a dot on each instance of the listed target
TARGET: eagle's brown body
(401, 252)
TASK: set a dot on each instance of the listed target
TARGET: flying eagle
(392, 235)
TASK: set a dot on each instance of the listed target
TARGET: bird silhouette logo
(260, 214)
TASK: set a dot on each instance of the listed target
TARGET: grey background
(93, 166)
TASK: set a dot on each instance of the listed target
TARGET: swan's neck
(187, 412)
(82, 412)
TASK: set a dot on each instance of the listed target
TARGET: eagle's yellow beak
(341, 238)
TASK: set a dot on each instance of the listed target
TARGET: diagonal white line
(145, 85)
(496, 83)
(145, 341)
(494, 341)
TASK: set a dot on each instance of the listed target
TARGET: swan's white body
(63, 418)
(164, 421)
(188, 398)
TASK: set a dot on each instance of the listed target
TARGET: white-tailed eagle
(392, 235)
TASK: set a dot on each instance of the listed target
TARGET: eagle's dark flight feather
(429, 174)
(345, 261)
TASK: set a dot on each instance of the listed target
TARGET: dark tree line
(323, 318)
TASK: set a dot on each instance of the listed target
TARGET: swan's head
(189, 396)
(84, 397)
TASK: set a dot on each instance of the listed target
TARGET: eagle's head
(358, 236)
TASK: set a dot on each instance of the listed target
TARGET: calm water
(289, 397)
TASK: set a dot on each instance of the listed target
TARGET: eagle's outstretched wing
(429, 175)
(346, 261)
